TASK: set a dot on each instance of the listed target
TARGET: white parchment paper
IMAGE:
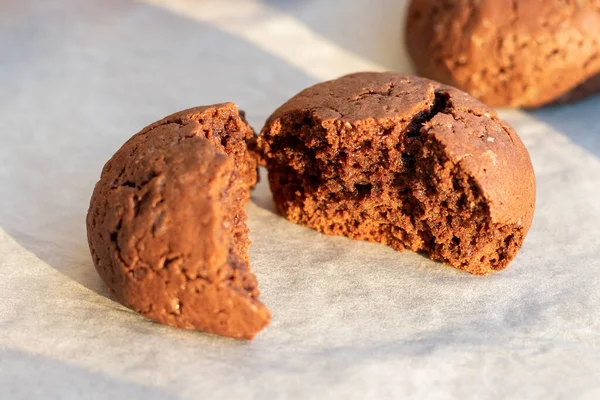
(351, 320)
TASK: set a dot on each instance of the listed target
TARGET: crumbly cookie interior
(405, 195)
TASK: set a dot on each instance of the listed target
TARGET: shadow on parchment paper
(75, 90)
(371, 29)
(261, 196)
(57, 380)
(579, 121)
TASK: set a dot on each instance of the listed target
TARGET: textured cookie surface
(402, 161)
(166, 225)
(519, 53)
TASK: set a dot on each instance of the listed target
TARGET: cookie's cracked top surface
(166, 224)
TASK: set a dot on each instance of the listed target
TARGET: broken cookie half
(402, 161)
(166, 224)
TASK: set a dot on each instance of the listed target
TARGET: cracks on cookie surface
(514, 7)
(439, 105)
(372, 92)
(114, 239)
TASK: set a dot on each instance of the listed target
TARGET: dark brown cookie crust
(166, 225)
(525, 53)
(403, 161)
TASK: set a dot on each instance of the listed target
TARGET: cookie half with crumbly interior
(403, 161)
(166, 224)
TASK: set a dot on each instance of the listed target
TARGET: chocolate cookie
(524, 53)
(402, 161)
(166, 224)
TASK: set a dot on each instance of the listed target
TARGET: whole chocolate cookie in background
(402, 161)
(166, 224)
(519, 53)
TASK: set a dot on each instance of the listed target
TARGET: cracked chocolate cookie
(405, 162)
(525, 53)
(166, 224)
